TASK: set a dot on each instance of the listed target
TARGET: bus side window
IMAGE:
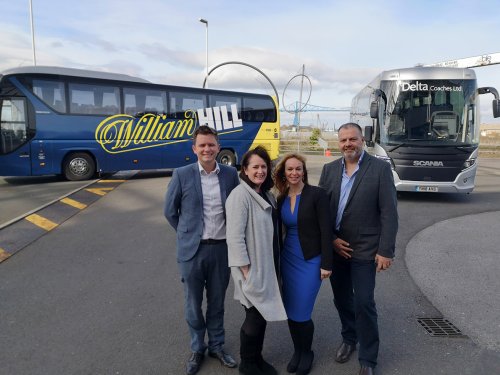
(259, 116)
(51, 93)
(181, 102)
(247, 114)
(144, 101)
(227, 101)
(89, 99)
(259, 109)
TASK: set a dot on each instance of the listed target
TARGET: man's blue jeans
(208, 269)
(353, 285)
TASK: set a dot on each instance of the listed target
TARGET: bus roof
(421, 72)
(84, 73)
(54, 70)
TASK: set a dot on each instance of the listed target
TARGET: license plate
(430, 189)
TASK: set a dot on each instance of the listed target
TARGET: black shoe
(294, 363)
(365, 370)
(344, 352)
(249, 367)
(224, 358)
(194, 363)
(265, 367)
(305, 364)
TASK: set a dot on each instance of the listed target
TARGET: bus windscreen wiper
(396, 147)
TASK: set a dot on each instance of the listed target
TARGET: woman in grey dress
(253, 247)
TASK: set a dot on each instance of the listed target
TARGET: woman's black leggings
(254, 324)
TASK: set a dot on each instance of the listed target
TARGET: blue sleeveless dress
(301, 278)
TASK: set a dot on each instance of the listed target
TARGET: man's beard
(352, 154)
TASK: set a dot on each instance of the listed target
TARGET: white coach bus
(424, 121)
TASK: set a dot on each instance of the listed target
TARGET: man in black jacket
(363, 206)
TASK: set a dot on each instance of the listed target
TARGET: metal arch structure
(304, 107)
(296, 109)
(244, 64)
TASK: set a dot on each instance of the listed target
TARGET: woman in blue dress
(306, 258)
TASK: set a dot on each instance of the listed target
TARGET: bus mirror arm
(374, 105)
(368, 135)
(374, 109)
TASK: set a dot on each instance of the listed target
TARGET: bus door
(15, 153)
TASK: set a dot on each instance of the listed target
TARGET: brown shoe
(344, 352)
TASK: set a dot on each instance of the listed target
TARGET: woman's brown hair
(280, 183)
(261, 152)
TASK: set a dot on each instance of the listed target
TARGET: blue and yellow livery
(78, 122)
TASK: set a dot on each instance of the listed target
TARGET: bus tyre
(78, 166)
(226, 157)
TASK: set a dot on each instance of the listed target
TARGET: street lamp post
(202, 20)
(32, 32)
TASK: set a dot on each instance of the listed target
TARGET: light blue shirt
(345, 189)
(214, 221)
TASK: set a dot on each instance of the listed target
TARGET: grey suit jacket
(370, 219)
(184, 205)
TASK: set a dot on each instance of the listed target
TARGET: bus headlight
(387, 159)
(469, 163)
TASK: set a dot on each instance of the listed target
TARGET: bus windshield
(429, 113)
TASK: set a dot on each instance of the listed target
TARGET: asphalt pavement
(101, 293)
(455, 263)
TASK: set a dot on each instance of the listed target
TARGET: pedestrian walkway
(456, 265)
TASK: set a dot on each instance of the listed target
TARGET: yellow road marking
(41, 222)
(3, 255)
(100, 191)
(73, 203)
(108, 181)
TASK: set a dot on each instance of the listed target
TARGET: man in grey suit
(194, 207)
(363, 206)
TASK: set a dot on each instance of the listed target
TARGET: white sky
(343, 44)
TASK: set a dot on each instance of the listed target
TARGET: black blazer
(370, 219)
(314, 226)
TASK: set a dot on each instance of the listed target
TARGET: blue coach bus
(79, 122)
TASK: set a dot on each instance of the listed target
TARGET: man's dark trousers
(353, 284)
(207, 269)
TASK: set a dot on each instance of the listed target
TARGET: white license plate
(431, 189)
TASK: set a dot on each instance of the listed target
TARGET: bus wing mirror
(491, 90)
(496, 108)
(369, 135)
(374, 109)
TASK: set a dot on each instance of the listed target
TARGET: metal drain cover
(440, 327)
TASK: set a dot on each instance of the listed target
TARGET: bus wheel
(78, 166)
(226, 157)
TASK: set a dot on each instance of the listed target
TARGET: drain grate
(440, 327)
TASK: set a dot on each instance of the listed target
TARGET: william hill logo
(217, 118)
(123, 133)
